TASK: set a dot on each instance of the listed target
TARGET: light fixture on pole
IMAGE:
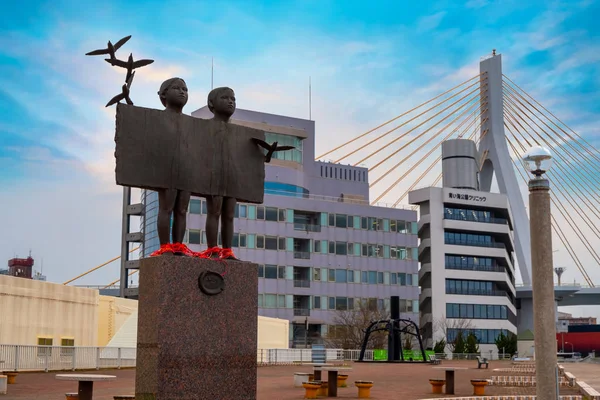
(538, 161)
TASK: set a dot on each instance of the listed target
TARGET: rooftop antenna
(212, 72)
(309, 99)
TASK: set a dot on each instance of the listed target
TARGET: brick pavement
(392, 381)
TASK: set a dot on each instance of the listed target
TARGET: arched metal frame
(392, 326)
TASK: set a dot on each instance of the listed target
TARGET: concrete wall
(273, 333)
(112, 314)
(32, 309)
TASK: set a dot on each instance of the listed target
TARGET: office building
(320, 246)
(467, 273)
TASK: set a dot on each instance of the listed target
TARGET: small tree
(472, 347)
(439, 347)
(408, 342)
(459, 346)
(349, 327)
(456, 326)
(507, 344)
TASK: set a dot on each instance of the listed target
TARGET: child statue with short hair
(173, 95)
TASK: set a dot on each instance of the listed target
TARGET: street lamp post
(538, 160)
(572, 347)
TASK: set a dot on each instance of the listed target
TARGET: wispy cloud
(366, 68)
(430, 22)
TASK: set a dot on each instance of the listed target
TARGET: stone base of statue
(196, 343)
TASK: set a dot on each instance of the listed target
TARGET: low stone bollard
(3, 384)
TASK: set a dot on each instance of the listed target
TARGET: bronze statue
(179, 156)
(221, 102)
(173, 95)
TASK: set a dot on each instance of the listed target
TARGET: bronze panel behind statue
(163, 150)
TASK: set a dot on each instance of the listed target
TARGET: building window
(271, 214)
(69, 343)
(341, 221)
(260, 242)
(44, 351)
(341, 276)
(270, 301)
(261, 271)
(270, 271)
(194, 236)
(271, 243)
(295, 154)
(260, 212)
(195, 206)
(316, 274)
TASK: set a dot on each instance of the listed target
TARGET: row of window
(274, 214)
(372, 223)
(463, 214)
(469, 261)
(254, 241)
(471, 239)
(476, 311)
(330, 171)
(340, 303)
(294, 154)
(484, 336)
(48, 341)
(338, 275)
(468, 287)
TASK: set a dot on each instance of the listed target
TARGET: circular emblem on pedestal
(211, 283)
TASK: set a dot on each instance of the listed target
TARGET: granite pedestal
(192, 345)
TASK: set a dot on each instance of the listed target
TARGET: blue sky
(369, 61)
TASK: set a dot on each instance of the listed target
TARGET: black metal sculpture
(129, 65)
(395, 331)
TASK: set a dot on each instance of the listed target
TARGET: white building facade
(466, 255)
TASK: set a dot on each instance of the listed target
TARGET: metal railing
(477, 292)
(303, 255)
(335, 199)
(68, 358)
(470, 218)
(482, 268)
(476, 243)
(301, 312)
(61, 358)
(302, 283)
(298, 226)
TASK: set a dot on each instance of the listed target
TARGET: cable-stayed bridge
(404, 153)
(505, 121)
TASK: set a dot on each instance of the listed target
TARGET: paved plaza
(406, 381)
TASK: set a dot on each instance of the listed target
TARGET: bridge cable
(587, 146)
(558, 185)
(431, 166)
(567, 217)
(477, 140)
(555, 225)
(585, 166)
(418, 126)
(559, 177)
(467, 110)
(395, 118)
(438, 160)
(565, 214)
(98, 267)
(404, 123)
